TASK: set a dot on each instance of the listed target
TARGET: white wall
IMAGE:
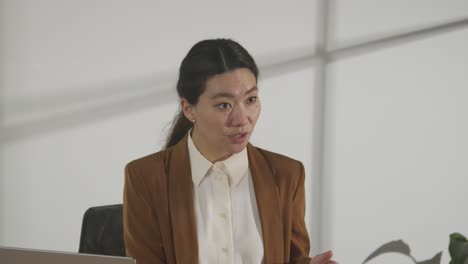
(398, 149)
(87, 86)
(396, 161)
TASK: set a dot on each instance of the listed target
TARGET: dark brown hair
(204, 60)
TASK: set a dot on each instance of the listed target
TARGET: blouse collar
(234, 167)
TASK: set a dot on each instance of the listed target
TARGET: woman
(210, 196)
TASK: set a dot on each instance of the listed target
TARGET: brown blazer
(159, 214)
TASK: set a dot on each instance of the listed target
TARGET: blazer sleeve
(141, 229)
(300, 245)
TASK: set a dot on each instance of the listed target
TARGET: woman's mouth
(238, 138)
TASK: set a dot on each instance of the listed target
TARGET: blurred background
(370, 95)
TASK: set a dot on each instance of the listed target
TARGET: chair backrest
(102, 231)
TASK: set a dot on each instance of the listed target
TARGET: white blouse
(228, 224)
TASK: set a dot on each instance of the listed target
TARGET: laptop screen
(10, 255)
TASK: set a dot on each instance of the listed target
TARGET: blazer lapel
(181, 205)
(267, 196)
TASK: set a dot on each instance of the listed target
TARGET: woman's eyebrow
(255, 88)
(230, 95)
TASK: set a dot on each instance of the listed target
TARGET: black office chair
(102, 231)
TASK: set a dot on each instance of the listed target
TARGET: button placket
(226, 218)
(223, 215)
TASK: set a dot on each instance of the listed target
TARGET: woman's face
(225, 115)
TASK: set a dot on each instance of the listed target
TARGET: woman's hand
(324, 258)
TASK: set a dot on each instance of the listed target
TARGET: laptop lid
(10, 255)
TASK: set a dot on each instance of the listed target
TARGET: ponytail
(180, 126)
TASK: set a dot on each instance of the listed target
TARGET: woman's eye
(224, 106)
(252, 99)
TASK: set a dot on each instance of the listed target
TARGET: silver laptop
(10, 255)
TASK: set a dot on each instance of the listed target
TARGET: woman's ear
(188, 109)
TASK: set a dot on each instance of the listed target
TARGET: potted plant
(458, 249)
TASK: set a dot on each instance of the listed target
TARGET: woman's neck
(210, 154)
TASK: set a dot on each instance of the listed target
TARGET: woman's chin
(237, 148)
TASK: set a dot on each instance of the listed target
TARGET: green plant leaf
(458, 237)
(458, 249)
(435, 260)
(397, 246)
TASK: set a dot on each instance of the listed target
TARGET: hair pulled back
(204, 60)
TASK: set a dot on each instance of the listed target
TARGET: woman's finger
(322, 258)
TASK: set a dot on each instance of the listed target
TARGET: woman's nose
(239, 116)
